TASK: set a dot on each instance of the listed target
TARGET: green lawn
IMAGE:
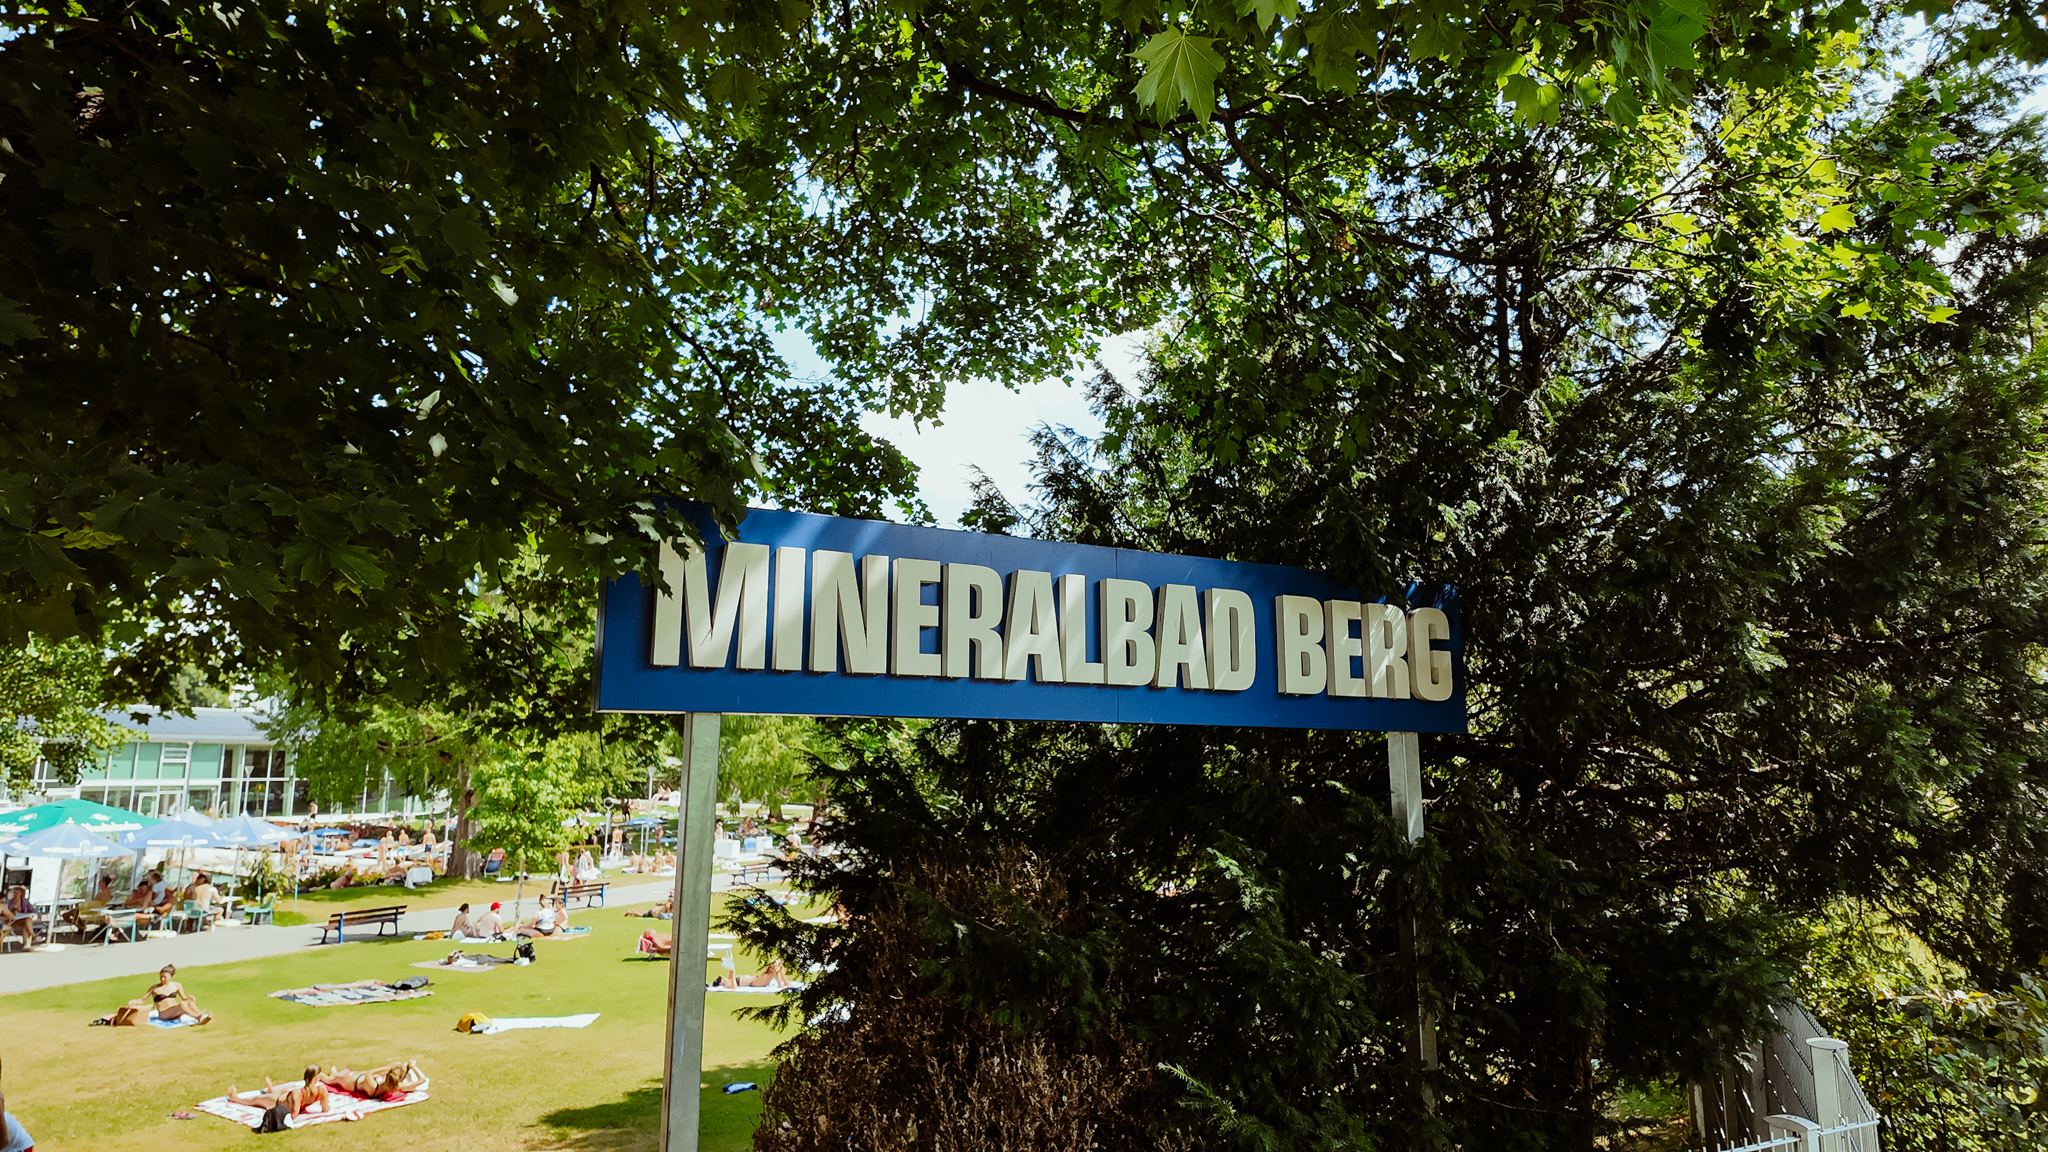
(77, 1086)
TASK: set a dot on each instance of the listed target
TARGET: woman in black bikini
(170, 999)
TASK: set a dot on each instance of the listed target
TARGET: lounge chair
(177, 919)
(264, 912)
(493, 863)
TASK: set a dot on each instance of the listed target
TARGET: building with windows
(216, 760)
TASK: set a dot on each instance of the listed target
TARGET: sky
(983, 424)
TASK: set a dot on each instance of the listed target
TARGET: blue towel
(180, 1022)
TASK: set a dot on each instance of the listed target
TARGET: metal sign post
(681, 1087)
(1404, 773)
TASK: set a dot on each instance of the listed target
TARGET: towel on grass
(796, 987)
(359, 992)
(342, 1106)
(564, 934)
(472, 962)
(180, 1022)
(513, 1023)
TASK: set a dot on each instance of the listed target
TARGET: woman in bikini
(773, 976)
(170, 999)
(376, 1083)
(300, 1098)
(545, 923)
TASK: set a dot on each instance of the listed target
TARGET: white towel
(508, 1023)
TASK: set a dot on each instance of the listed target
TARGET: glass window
(200, 799)
(96, 795)
(205, 762)
(146, 757)
(174, 760)
(121, 763)
(253, 797)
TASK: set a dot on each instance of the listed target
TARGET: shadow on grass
(641, 1106)
(633, 1121)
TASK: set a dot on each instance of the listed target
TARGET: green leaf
(1535, 101)
(1179, 69)
(16, 323)
(1268, 10)
(1624, 109)
(1837, 219)
(1860, 308)
(1671, 37)
(1439, 38)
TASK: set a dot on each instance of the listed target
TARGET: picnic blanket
(359, 992)
(180, 1022)
(342, 1106)
(513, 1023)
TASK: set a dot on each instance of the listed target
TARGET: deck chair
(494, 863)
(177, 919)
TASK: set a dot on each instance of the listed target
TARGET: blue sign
(826, 616)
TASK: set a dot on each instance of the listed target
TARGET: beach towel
(513, 1023)
(180, 1022)
(342, 1105)
(796, 987)
(564, 934)
(359, 992)
(471, 962)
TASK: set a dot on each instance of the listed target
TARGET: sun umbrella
(97, 817)
(246, 829)
(64, 843)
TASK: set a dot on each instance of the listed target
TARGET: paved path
(23, 971)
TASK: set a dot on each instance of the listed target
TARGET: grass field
(598, 1088)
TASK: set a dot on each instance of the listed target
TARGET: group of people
(152, 898)
(313, 1092)
(551, 920)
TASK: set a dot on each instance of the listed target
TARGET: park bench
(748, 871)
(382, 916)
(568, 892)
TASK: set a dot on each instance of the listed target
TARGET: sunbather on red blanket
(300, 1098)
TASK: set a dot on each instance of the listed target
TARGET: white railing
(1795, 1091)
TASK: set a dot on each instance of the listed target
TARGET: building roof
(204, 726)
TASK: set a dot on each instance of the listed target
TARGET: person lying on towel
(654, 943)
(773, 976)
(299, 1099)
(377, 1083)
(667, 911)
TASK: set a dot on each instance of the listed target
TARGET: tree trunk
(462, 861)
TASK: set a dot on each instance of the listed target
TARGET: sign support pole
(682, 1078)
(1404, 772)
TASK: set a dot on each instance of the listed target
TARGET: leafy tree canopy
(51, 702)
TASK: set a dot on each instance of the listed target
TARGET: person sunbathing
(667, 911)
(300, 1098)
(773, 976)
(376, 1083)
(652, 941)
(170, 999)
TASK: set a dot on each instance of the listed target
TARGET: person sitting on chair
(299, 1098)
(18, 917)
(207, 897)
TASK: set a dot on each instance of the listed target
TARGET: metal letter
(1233, 651)
(742, 600)
(1339, 616)
(1074, 632)
(972, 597)
(849, 612)
(1031, 629)
(1127, 651)
(1304, 671)
(912, 617)
(1180, 639)
(1386, 646)
(789, 610)
(1431, 676)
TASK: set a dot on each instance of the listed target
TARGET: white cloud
(983, 425)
